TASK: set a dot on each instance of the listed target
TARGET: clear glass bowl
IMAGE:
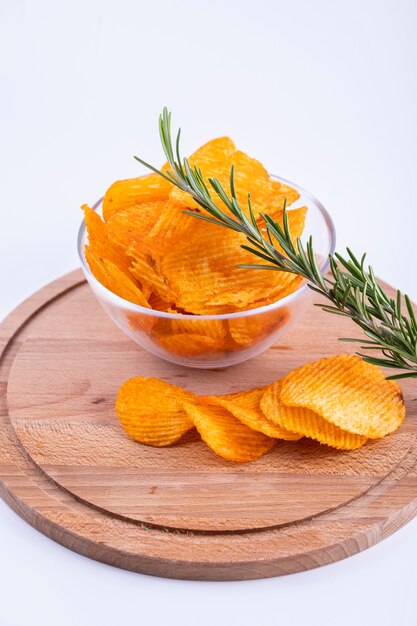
(211, 341)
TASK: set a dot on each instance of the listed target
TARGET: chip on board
(226, 435)
(245, 406)
(150, 410)
(347, 392)
(305, 422)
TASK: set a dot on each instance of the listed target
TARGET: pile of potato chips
(147, 251)
(340, 401)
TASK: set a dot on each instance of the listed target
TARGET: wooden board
(67, 467)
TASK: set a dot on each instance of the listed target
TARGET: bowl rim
(137, 308)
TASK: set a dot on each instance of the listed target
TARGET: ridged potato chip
(112, 277)
(250, 178)
(157, 303)
(100, 243)
(215, 160)
(188, 344)
(203, 276)
(130, 225)
(226, 435)
(140, 321)
(172, 224)
(245, 406)
(151, 411)
(212, 159)
(280, 193)
(250, 329)
(216, 329)
(305, 422)
(126, 193)
(144, 268)
(281, 284)
(349, 393)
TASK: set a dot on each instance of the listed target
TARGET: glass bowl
(212, 341)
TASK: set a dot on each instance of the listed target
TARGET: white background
(323, 93)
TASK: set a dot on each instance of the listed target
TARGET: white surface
(325, 94)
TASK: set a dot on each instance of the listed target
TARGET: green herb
(352, 290)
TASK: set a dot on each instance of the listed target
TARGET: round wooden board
(67, 467)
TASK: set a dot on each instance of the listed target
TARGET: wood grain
(68, 468)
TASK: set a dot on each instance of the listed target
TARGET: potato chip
(100, 243)
(280, 193)
(112, 277)
(211, 158)
(157, 303)
(140, 321)
(188, 344)
(145, 269)
(151, 412)
(129, 192)
(245, 406)
(215, 159)
(282, 285)
(130, 225)
(203, 276)
(173, 224)
(251, 329)
(249, 174)
(250, 178)
(349, 393)
(109, 240)
(305, 422)
(226, 435)
(217, 329)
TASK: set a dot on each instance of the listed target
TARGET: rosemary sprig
(390, 325)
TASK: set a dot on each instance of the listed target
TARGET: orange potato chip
(112, 277)
(172, 225)
(126, 193)
(250, 178)
(250, 329)
(151, 412)
(305, 422)
(157, 303)
(188, 344)
(211, 158)
(216, 329)
(279, 193)
(281, 285)
(347, 392)
(226, 435)
(144, 268)
(202, 275)
(99, 241)
(140, 321)
(131, 224)
(245, 406)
